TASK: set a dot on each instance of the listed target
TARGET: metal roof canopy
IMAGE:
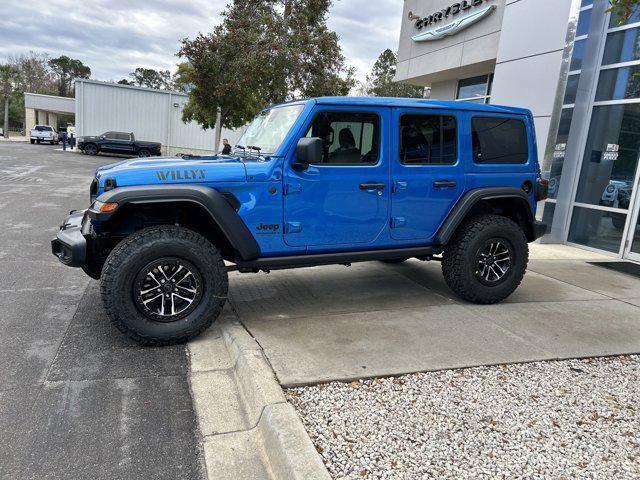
(50, 103)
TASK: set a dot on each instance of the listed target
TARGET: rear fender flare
(472, 198)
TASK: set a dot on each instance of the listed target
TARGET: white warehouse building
(152, 115)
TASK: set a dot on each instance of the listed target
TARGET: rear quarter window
(499, 141)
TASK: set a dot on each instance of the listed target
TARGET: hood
(173, 170)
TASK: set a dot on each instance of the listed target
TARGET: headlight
(103, 207)
(611, 189)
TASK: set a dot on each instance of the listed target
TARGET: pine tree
(380, 82)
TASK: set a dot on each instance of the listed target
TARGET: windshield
(269, 128)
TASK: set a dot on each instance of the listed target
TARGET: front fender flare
(222, 213)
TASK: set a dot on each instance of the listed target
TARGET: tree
(150, 78)
(624, 9)
(380, 82)
(66, 69)
(124, 81)
(263, 52)
(8, 82)
(34, 75)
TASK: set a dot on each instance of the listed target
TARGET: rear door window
(499, 140)
(428, 140)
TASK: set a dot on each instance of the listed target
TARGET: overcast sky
(114, 37)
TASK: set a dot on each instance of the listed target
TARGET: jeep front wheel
(164, 285)
(486, 259)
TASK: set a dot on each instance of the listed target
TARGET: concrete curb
(274, 435)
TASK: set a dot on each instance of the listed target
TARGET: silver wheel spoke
(162, 295)
(493, 262)
(145, 302)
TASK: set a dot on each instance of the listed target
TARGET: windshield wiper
(251, 147)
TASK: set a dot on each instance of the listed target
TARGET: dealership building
(577, 68)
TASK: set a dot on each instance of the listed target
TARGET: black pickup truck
(118, 142)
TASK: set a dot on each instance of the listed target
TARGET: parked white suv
(43, 133)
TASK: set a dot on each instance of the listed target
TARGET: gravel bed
(561, 420)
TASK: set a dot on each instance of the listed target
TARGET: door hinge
(293, 227)
(291, 188)
(398, 222)
(399, 186)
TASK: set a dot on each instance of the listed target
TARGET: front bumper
(70, 244)
(539, 229)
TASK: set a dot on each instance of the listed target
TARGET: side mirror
(102, 137)
(308, 151)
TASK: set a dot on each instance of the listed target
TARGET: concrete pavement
(372, 319)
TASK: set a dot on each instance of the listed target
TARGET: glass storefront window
(475, 89)
(622, 46)
(617, 21)
(597, 229)
(557, 163)
(571, 90)
(578, 55)
(583, 23)
(619, 84)
(611, 156)
(635, 242)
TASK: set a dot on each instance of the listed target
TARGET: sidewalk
(336, 323)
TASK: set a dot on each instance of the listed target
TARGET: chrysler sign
(451, 20)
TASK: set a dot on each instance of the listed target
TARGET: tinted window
(427, 139)
(110, 135)
(349, 138)
(578, 55)
(41, 128)
(572, 89)
(622, 46)
(583, 23)
(122, 136)
(499, 140)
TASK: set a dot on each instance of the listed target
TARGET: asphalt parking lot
(77, 399)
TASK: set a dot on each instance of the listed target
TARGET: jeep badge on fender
(162, 234)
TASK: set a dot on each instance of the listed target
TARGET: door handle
(372, 186)
(445, 184)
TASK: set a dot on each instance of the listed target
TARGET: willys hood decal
(159, 170)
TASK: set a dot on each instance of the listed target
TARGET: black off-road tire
(144, 152)
(32, 141)
(135, 253)
(459, 260)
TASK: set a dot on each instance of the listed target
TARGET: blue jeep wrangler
(315, 182)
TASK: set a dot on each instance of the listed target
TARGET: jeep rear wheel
(486, 259)
(164, 285)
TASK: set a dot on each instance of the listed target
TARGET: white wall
(530, 58)
(152, 115)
